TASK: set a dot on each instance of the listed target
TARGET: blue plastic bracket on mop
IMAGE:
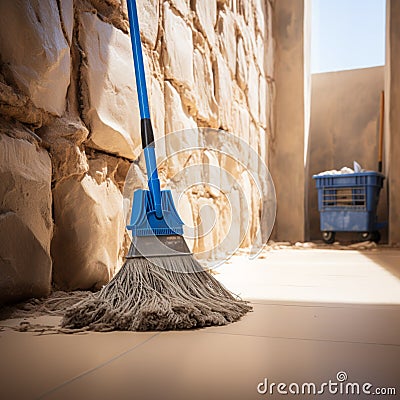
(153, 181)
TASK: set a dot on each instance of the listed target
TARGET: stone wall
(70, 121)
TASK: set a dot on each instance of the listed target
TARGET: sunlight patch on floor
(370, 277)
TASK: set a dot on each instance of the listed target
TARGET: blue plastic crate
(348, 202)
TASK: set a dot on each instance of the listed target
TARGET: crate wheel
(328, 237)
(374, 236)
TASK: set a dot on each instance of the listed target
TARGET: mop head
(157, 293)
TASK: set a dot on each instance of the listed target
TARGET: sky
(347, 34)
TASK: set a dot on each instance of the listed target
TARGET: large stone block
(176, 117)
(157, 113)
(260, 10)
(253, 141)
(212, 172)
(207, 108)
(227, 38)
(207, 228)
(149, 13)
(89, 228)
(185, 211)
(67, 18)
(256, 204)
(25, 215)
(64, 138)
(25, 266)
(109, 90)
(230, 235)
(182, 6)
(206, 12)
(270, 43)
(35, 51)
(246, 211)
(252, 91)
(241, 122)
(134, 179)
(260, 54)
(26, 181)
(19, 107)
(241, 65)
(245, 9)
(271, 96)
(231, 167)
(263, 96)
(247, 24)
(247, 33)
(262, 146)
(223, 92)
(178, 54)
(114, 12)
(157, 107)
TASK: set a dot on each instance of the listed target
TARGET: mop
(161, 286)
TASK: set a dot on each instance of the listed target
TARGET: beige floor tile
(364, 324)
(198, 365)
(30, 363)
(327, 276)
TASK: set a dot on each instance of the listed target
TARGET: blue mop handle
(146, 127)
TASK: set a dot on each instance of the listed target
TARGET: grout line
(369, 306)
(303, 339)
(89, 371)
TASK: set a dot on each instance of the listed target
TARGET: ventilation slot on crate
(349, 197)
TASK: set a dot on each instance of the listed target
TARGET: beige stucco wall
(392, 116)
(343, 128)
(287, 142)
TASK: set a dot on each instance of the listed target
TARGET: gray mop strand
(144, 296)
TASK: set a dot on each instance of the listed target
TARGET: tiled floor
(316, 312)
